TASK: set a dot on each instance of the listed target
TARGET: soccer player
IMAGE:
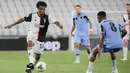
(127, 27)
(111, 40)
(80, 24)
(36, 34)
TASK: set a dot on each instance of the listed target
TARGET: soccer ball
(41, 66)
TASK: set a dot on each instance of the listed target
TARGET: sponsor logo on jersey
(41, 26)
(37, 25)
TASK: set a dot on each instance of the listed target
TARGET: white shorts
(38, 47)
(126, 37)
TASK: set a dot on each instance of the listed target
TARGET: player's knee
(87, 47)
(38, 56)
(112, 54)
(77, 45)
(30, 43)
(125, 43)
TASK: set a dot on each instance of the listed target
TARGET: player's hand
(99, 51)
(72, 34)
(61, 27)
(8, 27)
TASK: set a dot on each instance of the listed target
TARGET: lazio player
(80, 24)
(112, 34)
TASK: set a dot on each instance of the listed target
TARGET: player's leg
(76, 49)
(37, 58)
(125, 49)
(114, 65)
(30, 49)
(86, 43)
(92, 59)
(39, 47)
(87, 47)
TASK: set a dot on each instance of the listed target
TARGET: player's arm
(73, 27)
(90, 25)
(26, 18)
(72, 30)
(53, 21)
(101, 40)
(122, 30)
(15, 23)
(58, 24)
(102, 37)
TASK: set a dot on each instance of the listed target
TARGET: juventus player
(36, 34)
(127, 27)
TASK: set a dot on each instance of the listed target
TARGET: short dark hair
(128, 4)
(41, 3)
(77, 6)
(101, 13)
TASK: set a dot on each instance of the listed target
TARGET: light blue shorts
(83, 40)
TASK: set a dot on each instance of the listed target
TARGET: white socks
(125, 52)
(76, 51)
(90, 67)
(30, 54)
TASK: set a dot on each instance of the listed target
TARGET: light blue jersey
(81, 28)
(81, 24)
(112, 31)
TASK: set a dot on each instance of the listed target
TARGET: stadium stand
(11, 10)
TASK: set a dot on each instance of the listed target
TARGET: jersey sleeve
(102, 29)
(51, 19)
(86, 16)
(74, 21)
(28, 18)
(124, 19)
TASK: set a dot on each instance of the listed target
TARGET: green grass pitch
(60, 62)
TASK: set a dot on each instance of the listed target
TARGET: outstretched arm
(58, 24)
(26, 18)
(53, 21)
(15, 23)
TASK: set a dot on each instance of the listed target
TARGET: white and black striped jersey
(39, 25)
(126, 17)
(127, 20)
